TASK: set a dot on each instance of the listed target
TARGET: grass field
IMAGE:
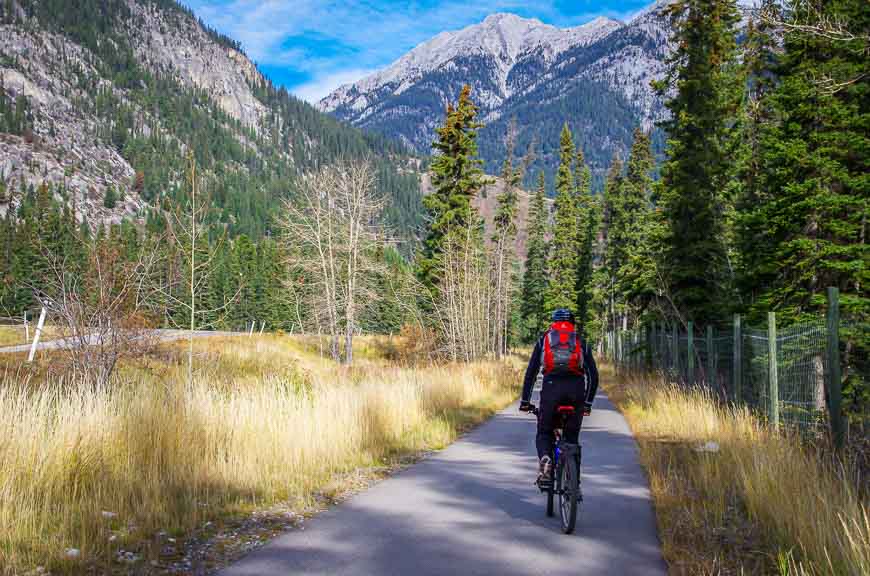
(266, 420)
(735, 497)
(16, 335)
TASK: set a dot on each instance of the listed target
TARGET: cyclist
(570, 379)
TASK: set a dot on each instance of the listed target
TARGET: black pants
(553, 394)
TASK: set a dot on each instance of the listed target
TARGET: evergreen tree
(587, 228)
(110, 200)
(564, 255)
(636, 278)
(532, 310)
(456, 180)
(816, 163)
(750, 190)
(610, 240)
(702, 70)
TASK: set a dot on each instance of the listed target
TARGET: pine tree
(702, 69)
(636, 278)
(532, 308)
(456, 179)
(750, 188)
(562, 287)
(110, 200)
(587, 228)
(610, 237)
(816, 159)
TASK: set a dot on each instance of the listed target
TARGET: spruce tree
(110, 200)
(587, 212)
(532, 308)
(456, 180)
(750, 189)
(564, 248)
(816, 160)
(702, 69)
(636, 278)
(610, 237)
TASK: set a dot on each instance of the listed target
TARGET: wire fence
(792, 376)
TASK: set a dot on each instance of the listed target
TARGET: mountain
(596, 77)
(102, 102)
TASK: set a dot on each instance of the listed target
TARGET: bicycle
(564, 480)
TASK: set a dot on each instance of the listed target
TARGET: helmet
(563, 315)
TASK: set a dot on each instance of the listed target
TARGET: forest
(759, 204)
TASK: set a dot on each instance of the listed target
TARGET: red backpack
(563, 351)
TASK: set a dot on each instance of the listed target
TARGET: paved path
(162, 335)
(472, 509)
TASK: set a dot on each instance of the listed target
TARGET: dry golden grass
(17, 335)
(761, 503)
(264, 421)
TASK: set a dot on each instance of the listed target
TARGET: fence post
(675, 353)
(737, 368)
(711, 357)
(772, 382)
(690, 347)
(36, 336)
(835, 384)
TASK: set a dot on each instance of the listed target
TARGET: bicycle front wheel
(569, 480)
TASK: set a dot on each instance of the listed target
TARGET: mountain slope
(109, 97)
(596, 77)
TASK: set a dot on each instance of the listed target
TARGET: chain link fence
(793, 376)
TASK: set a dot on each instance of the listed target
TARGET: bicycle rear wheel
(569, 480)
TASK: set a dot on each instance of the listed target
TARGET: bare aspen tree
(332, 233)
(98, 310)
(461, 304)
(503, 239)
(187, 234)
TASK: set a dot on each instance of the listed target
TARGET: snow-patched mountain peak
(502, 37)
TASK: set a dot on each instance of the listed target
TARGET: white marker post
(36, 336)
(26, 329)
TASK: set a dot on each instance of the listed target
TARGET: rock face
(596, 77)
(59, 79)
(61, 147)
(181, 45)
(115, 95)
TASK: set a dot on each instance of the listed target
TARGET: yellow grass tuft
(264, 421)
(757, 501)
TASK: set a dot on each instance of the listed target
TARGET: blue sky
(314, 46)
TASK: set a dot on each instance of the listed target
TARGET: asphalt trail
(472, 509)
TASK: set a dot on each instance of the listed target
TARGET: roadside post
(737, 359)
(690, 360)
(772, 383)
(835, 384)
(36, 336)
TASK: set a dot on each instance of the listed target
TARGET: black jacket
(535, 366)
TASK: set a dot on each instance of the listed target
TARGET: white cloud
(322, 86)
(346, 39)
